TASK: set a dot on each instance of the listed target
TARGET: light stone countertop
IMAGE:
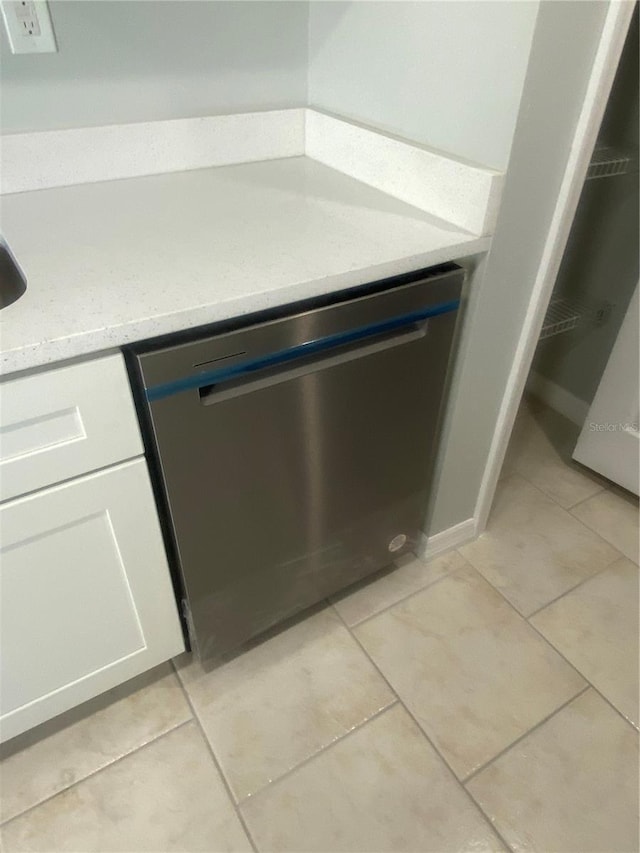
(126, 260)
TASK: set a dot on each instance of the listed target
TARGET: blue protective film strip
(222, 374)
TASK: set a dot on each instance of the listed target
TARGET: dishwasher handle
(336, 345)
(219, 392)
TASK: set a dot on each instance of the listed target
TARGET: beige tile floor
(485, 700)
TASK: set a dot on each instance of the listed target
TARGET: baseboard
(431, 546)
(558, 398)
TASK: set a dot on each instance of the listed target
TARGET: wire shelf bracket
(607, 161)
(562, 316)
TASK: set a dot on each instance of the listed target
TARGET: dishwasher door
(296, 454)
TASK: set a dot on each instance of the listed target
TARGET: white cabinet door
(86, 596)
(610, 439)
(64, 422)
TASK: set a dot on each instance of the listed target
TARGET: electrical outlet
(28, 26)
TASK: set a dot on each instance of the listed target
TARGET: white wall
(554, 89)
(445, 74)
(448, 74)
(600, 263)
(141, 61)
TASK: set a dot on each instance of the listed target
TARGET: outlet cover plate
(28, 26)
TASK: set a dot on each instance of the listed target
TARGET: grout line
(470, 799)
(117, 760)
(590, 683)
(568, 511)
(404, 598)
(588, 686)
(320, 751)
(620, 555)
(290, 770)
(584, 500)
(216, 763)
(556, 650)
(613, 707)
(526, 734)
(602, 536)
(596, 479)
(571, 589)
(595, 532)
(600, 488)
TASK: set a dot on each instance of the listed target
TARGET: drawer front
(86, 600)
(64, 422)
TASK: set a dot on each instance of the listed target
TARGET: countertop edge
(92, 342)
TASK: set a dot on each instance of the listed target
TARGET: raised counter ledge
(126, 260)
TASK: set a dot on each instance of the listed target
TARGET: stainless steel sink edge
(12, 280)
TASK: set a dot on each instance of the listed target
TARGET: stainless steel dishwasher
(294, 455)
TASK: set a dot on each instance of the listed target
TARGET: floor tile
(532, 549)
(596, 627)
(475, 675)
(53, 756)
(410, 575)
(280, 702)
(540, 450)
(382, 788)
(167, 796)
(571, 785)
(615, 518)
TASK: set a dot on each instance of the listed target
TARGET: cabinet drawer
(64, 422)
(86, 600)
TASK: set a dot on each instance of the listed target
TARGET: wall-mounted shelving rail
(607, 162)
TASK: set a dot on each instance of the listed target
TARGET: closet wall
(599, 270)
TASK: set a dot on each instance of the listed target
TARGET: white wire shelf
(607, 161)
(562, 316)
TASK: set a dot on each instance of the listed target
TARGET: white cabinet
(86, 595)
(66, 421)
